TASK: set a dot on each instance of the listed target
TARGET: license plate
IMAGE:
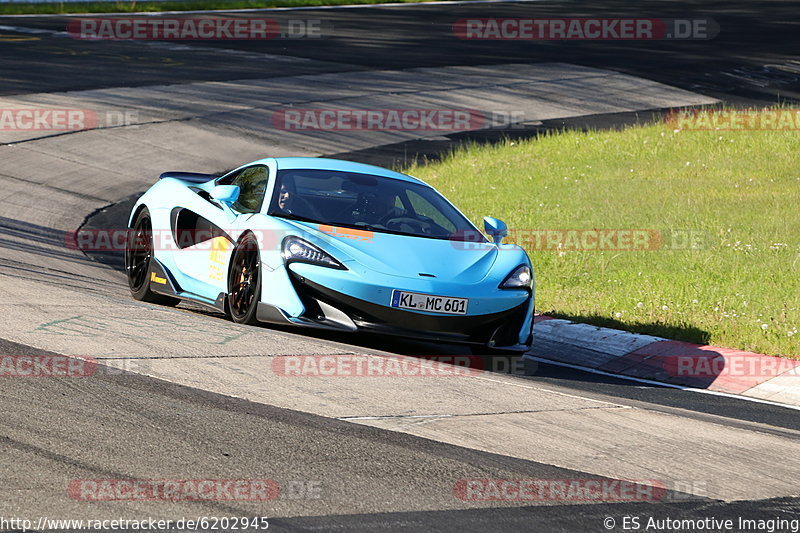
(429, 302)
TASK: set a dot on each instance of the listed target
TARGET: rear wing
(191, 177)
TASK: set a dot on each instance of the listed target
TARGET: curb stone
(724, 370)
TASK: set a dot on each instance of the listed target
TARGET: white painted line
(662, 384)
(269, 9)
(348, 418)
(526, 385)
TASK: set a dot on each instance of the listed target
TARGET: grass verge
(55, 8)
(724, 265)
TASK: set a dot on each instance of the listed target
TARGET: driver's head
(285, 195)
(379, 205)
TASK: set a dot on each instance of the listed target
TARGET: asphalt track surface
(131, 426)
(753, 58)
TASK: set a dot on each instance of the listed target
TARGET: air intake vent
(426, 275)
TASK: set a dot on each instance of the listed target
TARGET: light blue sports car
(330, 244)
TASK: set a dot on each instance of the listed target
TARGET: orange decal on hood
(347, 233)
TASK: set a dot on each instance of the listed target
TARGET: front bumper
(499, 329)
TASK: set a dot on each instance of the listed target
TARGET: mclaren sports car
(330, 244)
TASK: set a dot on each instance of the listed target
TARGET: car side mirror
(225, 194)
(495, 228)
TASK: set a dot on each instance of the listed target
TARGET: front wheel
(138, 259)
(244, 281)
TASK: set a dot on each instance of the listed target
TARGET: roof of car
(321, 163)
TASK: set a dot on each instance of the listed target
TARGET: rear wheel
(138, 260)
(244, 282)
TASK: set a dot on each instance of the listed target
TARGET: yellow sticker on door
(216, 265)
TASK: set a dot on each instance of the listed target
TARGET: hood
(406, 256)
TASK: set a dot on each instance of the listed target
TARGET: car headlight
(296, 250)
(520, 278)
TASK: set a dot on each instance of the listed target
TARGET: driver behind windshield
(293, 204)
(365, 201)
(285, 197)
(379, 209)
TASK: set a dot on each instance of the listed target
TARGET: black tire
(138, 257)
(244, 281)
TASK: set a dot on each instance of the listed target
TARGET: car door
(205, 258)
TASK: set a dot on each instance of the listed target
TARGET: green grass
(739, 190)
(177, 5)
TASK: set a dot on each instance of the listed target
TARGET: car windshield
(369, 202)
